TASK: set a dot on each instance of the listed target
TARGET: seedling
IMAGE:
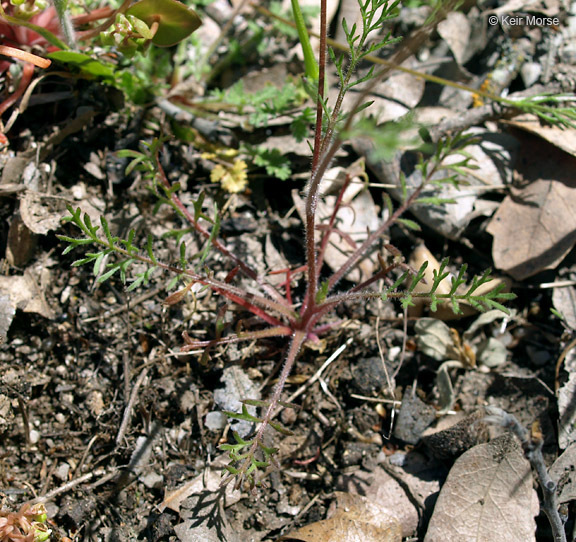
(298, 320)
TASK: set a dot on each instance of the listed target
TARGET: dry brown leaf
(208, 481)
(564, 301)
(493, 155)
(455, 31)
(41, 213)
(393, 98)
(562, 472)
(7, 312)
(21, 244)
(565, 397)
(488, 495)
(26, 293)
(564, 139)
(402, 483)
(357, 519)
(535, 227)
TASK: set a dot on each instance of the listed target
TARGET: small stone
(369, 375)
(62, 471)
(530, 73)
(216, 421)
(60, 418)
(152, 480)
(414, 417)
(95, 402)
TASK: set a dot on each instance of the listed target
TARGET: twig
(66, 487)
(532, 446)
(319, 372)
(130, 406)
(124, 308)
(376, 400)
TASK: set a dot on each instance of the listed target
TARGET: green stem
(65, 22)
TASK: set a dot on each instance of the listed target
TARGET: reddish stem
(246, 269)
(193, 344)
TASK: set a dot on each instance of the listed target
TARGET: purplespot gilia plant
(250, 458)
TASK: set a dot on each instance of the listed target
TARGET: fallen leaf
(42, 213)
(491, 352)
(563, 473)
(564, 139)
(26, 294)
(434, 339)
(488, 495)
(402, 493)
(493, 155)
(7, 312)
(21, 243)
(205, 483)
(564, 301)
(535, 227)
(357, 519)
(566, 407)
(455, 31)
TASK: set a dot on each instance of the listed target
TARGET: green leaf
(240, 440)
(280, 428)
(86, 64)
(68, 249)
(268, 451)
(434, 201)
(108, 274)
(244, 415)
(410, 224)
(310, 64)
(176, 21)
(183, 255)
(230, 468)
(322, 291)
(98, 263)
(67, 239)
(149, 241)
(403, 186)
(106, 229)
(275, 163)
(83, 261)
